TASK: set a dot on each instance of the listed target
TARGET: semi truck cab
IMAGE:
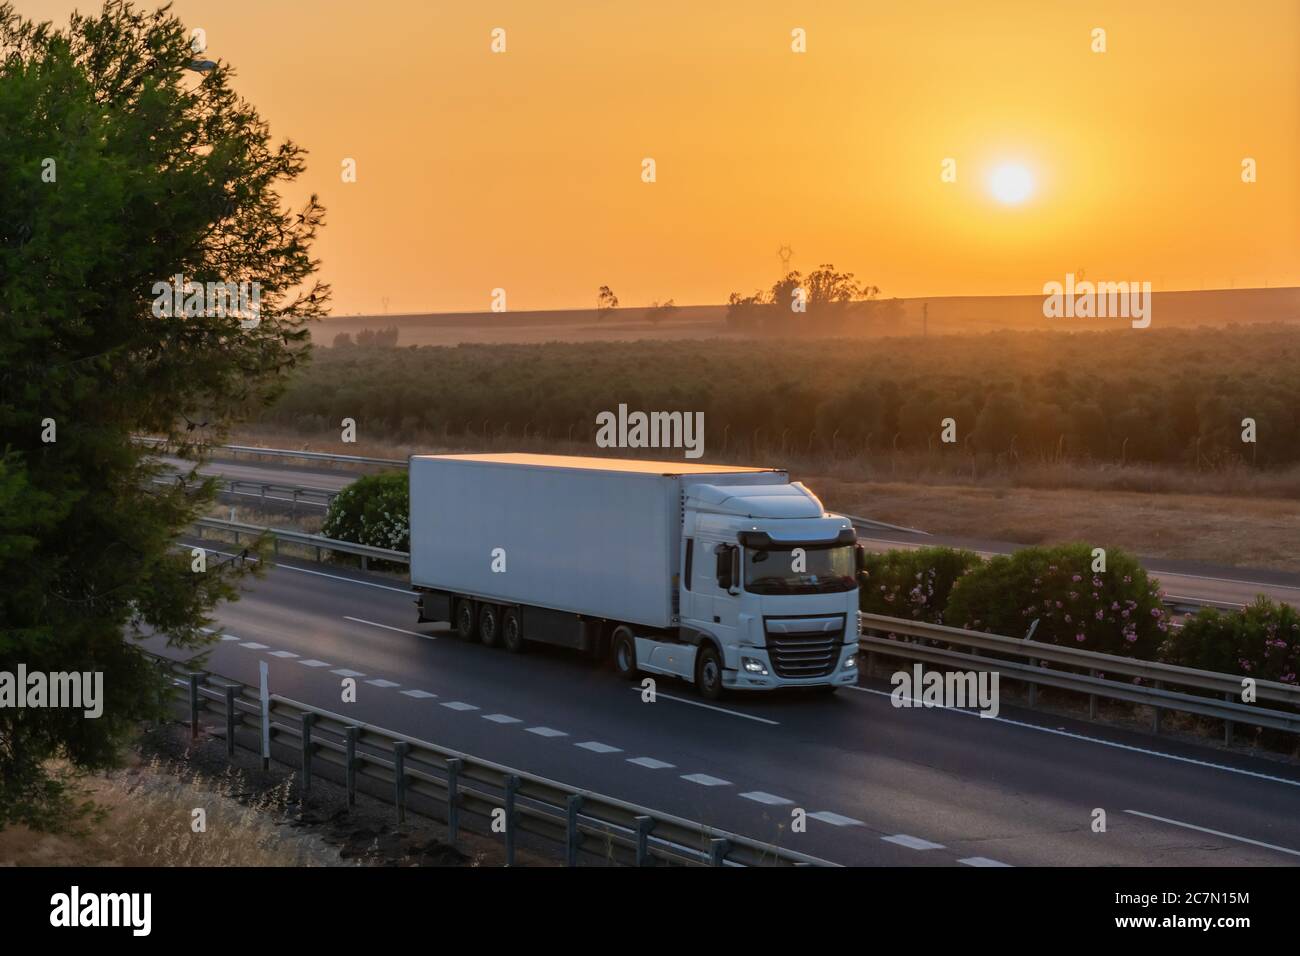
(768, 592)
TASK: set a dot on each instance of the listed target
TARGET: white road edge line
(721, 710)
(1097, 740)
(1226, 836)
(388, 627)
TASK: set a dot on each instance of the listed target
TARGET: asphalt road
(880, 785)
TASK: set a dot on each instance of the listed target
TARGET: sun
(1011, 183)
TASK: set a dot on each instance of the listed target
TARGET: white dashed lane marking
(502, 719)
(380, 682)
(547, 732)
(649, 763)
(771, 799)
(911, 842)
(313, 663)
(254, 646)
(982, 861)
(704, 780)
(597, 747)
(418, 694)
(835, 820)
(229, 637)
(344, 672)
(459, 705)
(283, 654)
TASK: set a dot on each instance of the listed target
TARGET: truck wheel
(708, 672)
(623, 651)
(512, 630)
(466, 623)
(489, 624)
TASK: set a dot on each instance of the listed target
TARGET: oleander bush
(913, 584)
(1262, 641)
(1115, 611)
(373, 510)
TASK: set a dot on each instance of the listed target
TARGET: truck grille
(804, 653)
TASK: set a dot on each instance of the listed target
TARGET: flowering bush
(913, 584)
(1116, 611)
(1261, 641)
(373, 510)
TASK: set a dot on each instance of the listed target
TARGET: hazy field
(945, 315)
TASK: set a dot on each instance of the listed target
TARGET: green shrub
(1116, 611)
(373, 510)
(913, 584)
(1262, 640)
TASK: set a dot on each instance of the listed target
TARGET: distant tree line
(1175, 396)
(368, 338)
(825, 302)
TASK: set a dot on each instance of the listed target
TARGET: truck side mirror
(860, 558)
(726, 563)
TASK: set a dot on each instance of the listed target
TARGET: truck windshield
(806, 570)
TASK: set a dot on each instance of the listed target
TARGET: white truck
(733, 578)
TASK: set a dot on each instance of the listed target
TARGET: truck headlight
(751, 665)
(850, 663)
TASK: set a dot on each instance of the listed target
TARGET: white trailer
(609, 555)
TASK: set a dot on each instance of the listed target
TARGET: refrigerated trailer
(729, 577)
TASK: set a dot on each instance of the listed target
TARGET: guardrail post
(871, 663)
(573, 806)
(264, 496)
(230, 719)
(1227, 724)
(400, 750)
(1033, 688)
(1155, 719)
(512, 785)
(275, 545)
(1092, 700)
(365, 563)
(453, 799)
(307, 748)
(718, 850)
(194, 705)
(643, 827)
(318, 554)
(350, 764)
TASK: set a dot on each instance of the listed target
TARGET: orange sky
(522, 170)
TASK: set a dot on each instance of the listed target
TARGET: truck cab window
(690, 560)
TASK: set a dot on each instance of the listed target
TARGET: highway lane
(882, 786)
(1195, 581)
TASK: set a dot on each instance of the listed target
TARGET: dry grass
(145, 819)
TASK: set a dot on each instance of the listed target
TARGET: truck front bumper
(754, 671)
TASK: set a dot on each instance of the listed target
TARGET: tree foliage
(121, 168)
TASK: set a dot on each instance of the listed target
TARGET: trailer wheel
(489, 624)
(466, 623)
(512, 630)
(708, 672)
(623, 651)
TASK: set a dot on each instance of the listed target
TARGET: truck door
(722, 607)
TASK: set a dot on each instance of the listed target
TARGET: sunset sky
(522, 170)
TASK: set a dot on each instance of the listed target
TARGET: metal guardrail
(318, 541)
(1029, 660)
(236, 450)
(581, 821)
(267, 492)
